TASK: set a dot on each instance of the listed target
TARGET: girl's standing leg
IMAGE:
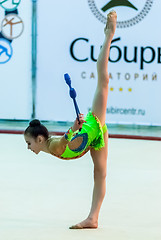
(99, 109)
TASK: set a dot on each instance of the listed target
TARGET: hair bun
(35, 123)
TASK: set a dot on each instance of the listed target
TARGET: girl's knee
(103, 80)
(99, 174)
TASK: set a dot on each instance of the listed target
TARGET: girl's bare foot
(111, 23)
(88, 223)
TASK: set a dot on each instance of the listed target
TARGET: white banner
(15, 59)
(70, 35)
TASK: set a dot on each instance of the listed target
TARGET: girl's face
(33, 144)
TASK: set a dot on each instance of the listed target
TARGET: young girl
(93, 136)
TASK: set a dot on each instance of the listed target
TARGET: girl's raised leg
(99, 108)
(101, 94)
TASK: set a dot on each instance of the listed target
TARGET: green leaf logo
(116, 3)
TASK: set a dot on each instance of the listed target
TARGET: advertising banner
(15, 59)
(70, 36)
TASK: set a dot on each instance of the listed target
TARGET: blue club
(72, 94)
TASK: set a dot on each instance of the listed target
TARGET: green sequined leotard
(92, 136)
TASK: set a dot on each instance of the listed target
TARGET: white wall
(59, 25)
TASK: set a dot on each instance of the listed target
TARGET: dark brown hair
(35, 128)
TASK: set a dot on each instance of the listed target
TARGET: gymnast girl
(93, 136)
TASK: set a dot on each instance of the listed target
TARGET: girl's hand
(78, 124)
